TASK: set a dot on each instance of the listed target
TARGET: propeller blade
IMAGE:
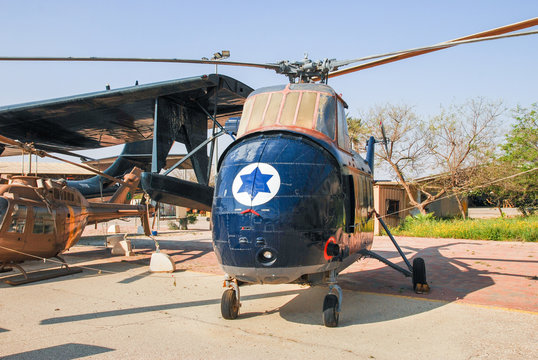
(385, 140)
(440, 46)
(41, 153)
(400, 55)
(143, 60)
(9, 141)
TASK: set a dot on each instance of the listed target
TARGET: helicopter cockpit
(314, 108)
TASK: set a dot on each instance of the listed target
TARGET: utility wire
(172, 276)
(466, 190)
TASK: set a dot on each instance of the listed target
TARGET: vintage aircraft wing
(123, 115)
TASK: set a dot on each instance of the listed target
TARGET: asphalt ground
(483, 304)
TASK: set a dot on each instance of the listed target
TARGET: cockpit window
(311, 110)
(305, 112)
(326, 116)
(43, 221)
(3, 209)
(256, 117)
(273, 109)
(18, 219)
(289, 109)
(343, 136)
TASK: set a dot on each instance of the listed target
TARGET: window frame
(245, 126)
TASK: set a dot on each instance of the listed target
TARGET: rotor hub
(306, 70)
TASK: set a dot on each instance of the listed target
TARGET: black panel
(178, 192)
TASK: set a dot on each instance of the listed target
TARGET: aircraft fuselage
(41, 218)
(292, 201)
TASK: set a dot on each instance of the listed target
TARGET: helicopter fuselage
(41, 218)
(292, 200)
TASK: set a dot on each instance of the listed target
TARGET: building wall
(387, 192)
(446, 207)
(386, 196)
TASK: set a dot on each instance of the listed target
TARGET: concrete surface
(490, 213)
(483, 305)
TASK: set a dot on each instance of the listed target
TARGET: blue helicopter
(293, 202)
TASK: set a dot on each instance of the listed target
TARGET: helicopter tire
(330, 313)
(419, 276)
(229, 305)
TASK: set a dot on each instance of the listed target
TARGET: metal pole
(193, 151)
(385, 261)
(394, 241)
(216, 155)
(211, 116)
(154, 150)
(213, 133)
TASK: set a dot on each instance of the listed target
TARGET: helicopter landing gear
(42, 274)
(417, 272)
(332, 304)
(4, 268)
(419, 276)
(230, 301)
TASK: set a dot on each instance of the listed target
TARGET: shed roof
(49, 168)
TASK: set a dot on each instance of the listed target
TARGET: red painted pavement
(500, 274)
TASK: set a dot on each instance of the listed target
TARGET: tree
(404, 154)
(452, 146)
(460, 141)
(521, 147)
(519, 157)
(521, 153)
(511, 179)
(357, 132)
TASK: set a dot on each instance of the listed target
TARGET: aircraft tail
(133, 154)
(125, 192)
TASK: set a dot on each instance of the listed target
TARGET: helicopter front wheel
(229, 305)
(330, 311)
(230, 301)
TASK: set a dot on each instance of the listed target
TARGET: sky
(262, 31)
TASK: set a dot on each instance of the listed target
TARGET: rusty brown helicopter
(42, 218)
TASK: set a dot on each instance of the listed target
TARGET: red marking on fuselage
(250, 211)
(325, 255)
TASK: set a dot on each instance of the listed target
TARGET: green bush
(517, 228)
(172, 225)
(190, 219)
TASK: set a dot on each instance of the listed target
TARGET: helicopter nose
(266, 256)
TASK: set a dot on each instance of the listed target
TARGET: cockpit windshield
(4, 205)
(313, 110)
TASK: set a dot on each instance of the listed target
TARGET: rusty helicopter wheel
(330, 312)
(229, 305)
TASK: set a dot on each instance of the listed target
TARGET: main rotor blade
(42, 153)
(440, 46)
(144, 60)
(491, 34)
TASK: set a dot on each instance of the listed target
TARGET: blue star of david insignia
(255, 183)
